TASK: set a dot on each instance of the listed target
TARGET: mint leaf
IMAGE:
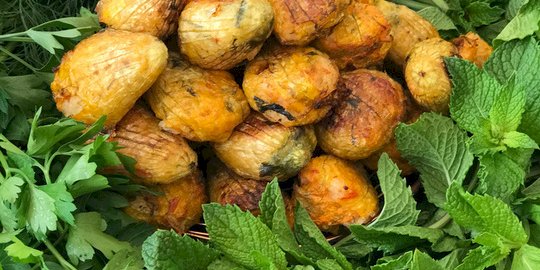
(312, 241)
(422, 261)
(525, 23)
(402, 262)
(526, 258)
(505, 114)
(125, 260)
(391, 239)
(224, 264)
(473, 94)
(399, 205)
(327, 264)
(436, 147)
(532, 192)
(452, 260)
(514, 139)
(63, 201)
(483, 213)
(10, 189)
(236, 234)
(167, 250)
(87, 235)
(22, 253)
(38, 210)
(438, 18)
(501, 174)
(482, 257)
(481, 13)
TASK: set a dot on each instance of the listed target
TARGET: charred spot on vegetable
(263, 107)
(191, 91)
(240, 13)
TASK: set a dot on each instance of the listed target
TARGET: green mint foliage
(125, 260)
(526, 258)
(436, 147)
(422, 261)
(509, 105)
(167, 250)
(485, 214)
(237, 234)
(481, 13)
(438, 18)
(525, 23)
(224, 264)
(402, 262)
(399, 205)
(483, 257)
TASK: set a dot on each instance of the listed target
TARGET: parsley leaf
(10, 189)
(399, 205)
(63, 201)
(21, 252)
(38, 210)
(436, 147)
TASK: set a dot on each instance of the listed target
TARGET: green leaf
(87, 234)
(422, 261)
(22, 253)
(452, 260)
(513, 7)
(10, 189)
(514, 139)
(482, 257)
(224, 264)
(399, 205)
(392, 239)
(526, 258)
(95, 183)
(26, 92)
(44, 138)
(125, 260)
(525, 23)
(24, 163)
(38, 210)
(501, 174)
(78, 167)
(436, 147)
(63, 201)
(481, 13)
(438, 18)
(483, 213)
(236, 234)
(8, 217)
(505, 114)
(328, 264)
(473, 94)
(167, 250)
(312, 241)
(532, 191)
(402, 262)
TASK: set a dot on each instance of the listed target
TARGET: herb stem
(441, 222)
(65, 264)
(344, 240)
(8, 53)
(4, 163)
(412, 4)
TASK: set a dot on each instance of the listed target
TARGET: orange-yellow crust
(365, 120)
(360, 40)
(218, 34)
(106, 73)
(178, 207)
(298, 22)
(473, 48)
(426, 75)
(161, 157)
(335, 192)
(291, 85)
(198, 104)
(260, 149)
(155, 17)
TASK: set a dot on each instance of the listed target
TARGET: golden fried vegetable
(227, 187)
(364, 122)
(426, 75)
(155, 17)
(298, 22)
(360, 40)
(218, 34)
(473, 48)
(161, 157)
(335, 192)
(198, 104)
(408, 28)
(106, 73)
(179, 206)
(260, 149)
(291, 85)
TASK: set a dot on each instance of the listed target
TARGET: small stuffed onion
(260, 149)
(351, 45)
(473, 48)
(298, 22)
(336, 192)
(161, 157)
(106, 73)
(198, 104)
(221, 34)
(408, 28)
(365, 120)
(290, 85)
(426, 75)
(178, 206)
(155, 17)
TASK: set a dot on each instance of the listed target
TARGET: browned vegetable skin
(365, 120)
(260, 149)
(178, 207)
(335, 192)
(473, 48)
(161, 157)
(298, 22)
(360, 40)
(408, 28)
(291, 85)
(198, 104)
(219, 34)
(155, 17)
(106, 73)
(426, 75)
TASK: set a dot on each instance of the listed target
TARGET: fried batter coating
(473, 48)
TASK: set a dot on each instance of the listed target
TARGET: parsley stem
(8, 53)
(65, 264)
(3, 161)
